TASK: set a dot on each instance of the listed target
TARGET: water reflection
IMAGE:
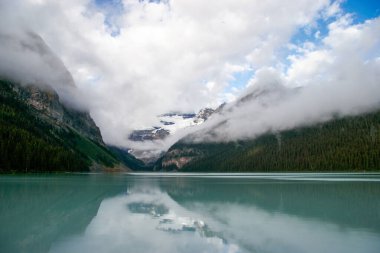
(36, 210)
(196, 214)
(234, 215)
(145, 221)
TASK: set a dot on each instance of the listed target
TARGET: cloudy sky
(134, 59)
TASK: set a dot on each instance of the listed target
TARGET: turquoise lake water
(190, 213)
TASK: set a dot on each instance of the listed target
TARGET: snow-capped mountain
(169, 123)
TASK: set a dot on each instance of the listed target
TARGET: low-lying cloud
(340, 78)
(150, 57)
(27, 59)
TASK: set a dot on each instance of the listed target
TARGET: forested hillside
(347, 144)
(30, 141)
(129, 160)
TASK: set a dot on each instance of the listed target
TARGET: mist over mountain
(151, 143)
(348, 85)
(27, 59)
(272, 106)
(135, 60)
(273, 66)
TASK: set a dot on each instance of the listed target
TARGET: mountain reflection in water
(149, 213)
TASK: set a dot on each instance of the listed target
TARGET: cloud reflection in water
(149, 220)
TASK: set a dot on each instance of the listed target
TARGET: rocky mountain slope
(39, 129)
(38, 133)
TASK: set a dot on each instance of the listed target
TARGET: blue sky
(364, 9)
(361, 9)
(112, 9)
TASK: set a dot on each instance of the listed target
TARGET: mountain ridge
(38, 133)
(350, 143)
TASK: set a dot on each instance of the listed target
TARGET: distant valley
(40, 134)
(169, 125)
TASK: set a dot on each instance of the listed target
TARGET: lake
(152, 213)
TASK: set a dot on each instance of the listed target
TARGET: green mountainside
(39, 134)
(346, 144)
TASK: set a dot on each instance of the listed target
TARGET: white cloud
(167, 54)
(341, 77)
(333, 10)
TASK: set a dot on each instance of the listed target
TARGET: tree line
(345, 144)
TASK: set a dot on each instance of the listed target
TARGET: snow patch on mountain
(169, 124)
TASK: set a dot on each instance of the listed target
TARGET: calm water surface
(152, 213)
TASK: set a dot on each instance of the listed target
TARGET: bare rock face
(203, 115)
(177, 158)
(44, 101)
(178, 162)
(156, 133)
(47, 104)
